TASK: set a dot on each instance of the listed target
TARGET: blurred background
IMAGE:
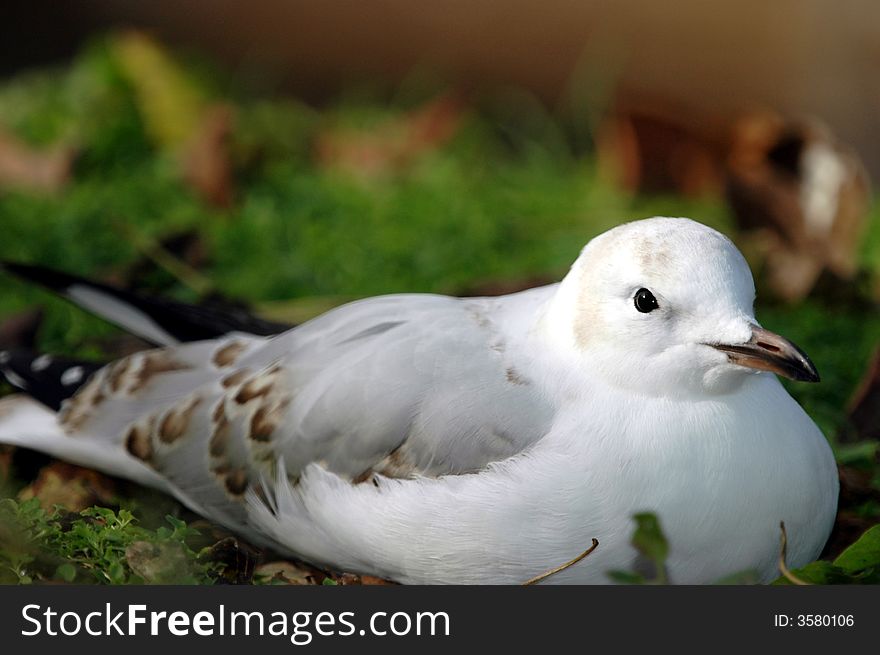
(290, 155)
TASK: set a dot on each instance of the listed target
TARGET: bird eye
(645, 301)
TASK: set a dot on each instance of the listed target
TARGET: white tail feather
(125, 315)
(26, 423)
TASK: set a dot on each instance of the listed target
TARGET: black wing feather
(45, 378)
(185, 322)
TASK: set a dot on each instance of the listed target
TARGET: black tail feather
(45, 378)
(158, 320)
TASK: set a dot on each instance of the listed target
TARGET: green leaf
(627, 577)
(649, 539)
(175, 522)
(819, 572)
(116, 573)
(740, 578)
(863, 555)
(66, 572)
(862, 454)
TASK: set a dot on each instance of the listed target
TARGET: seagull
(432, 439)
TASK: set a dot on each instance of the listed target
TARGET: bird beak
(767, 351)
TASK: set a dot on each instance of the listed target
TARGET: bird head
(666, 306)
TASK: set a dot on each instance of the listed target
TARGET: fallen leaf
(24, 167)
(393, 145)
(433, 124)
(373, 580)
(300, 573)
(205, 158)
(283, 572)
(804, 192)
(644, 151)
(350, 579)
(73, 487)
(157, 563)
(238, 558)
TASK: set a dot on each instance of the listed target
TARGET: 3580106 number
(825, 620)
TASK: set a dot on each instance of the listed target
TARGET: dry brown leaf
(207, 166)
(807, 191)
(283, 572)
(793, 183)
(395, 144)
(157, 563)
(24, 167)
(73, 487)
(353, 579)
(300, 573)
(646, 152)
(790, 273)
(433, 124)
(238, 558)
(373, 580)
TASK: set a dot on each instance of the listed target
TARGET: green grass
(97, 545)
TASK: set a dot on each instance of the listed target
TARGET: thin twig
(783, 568)
(547, 574)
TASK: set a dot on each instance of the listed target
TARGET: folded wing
(396, 386)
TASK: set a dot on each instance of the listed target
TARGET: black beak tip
(802, 366)
(807, 372)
